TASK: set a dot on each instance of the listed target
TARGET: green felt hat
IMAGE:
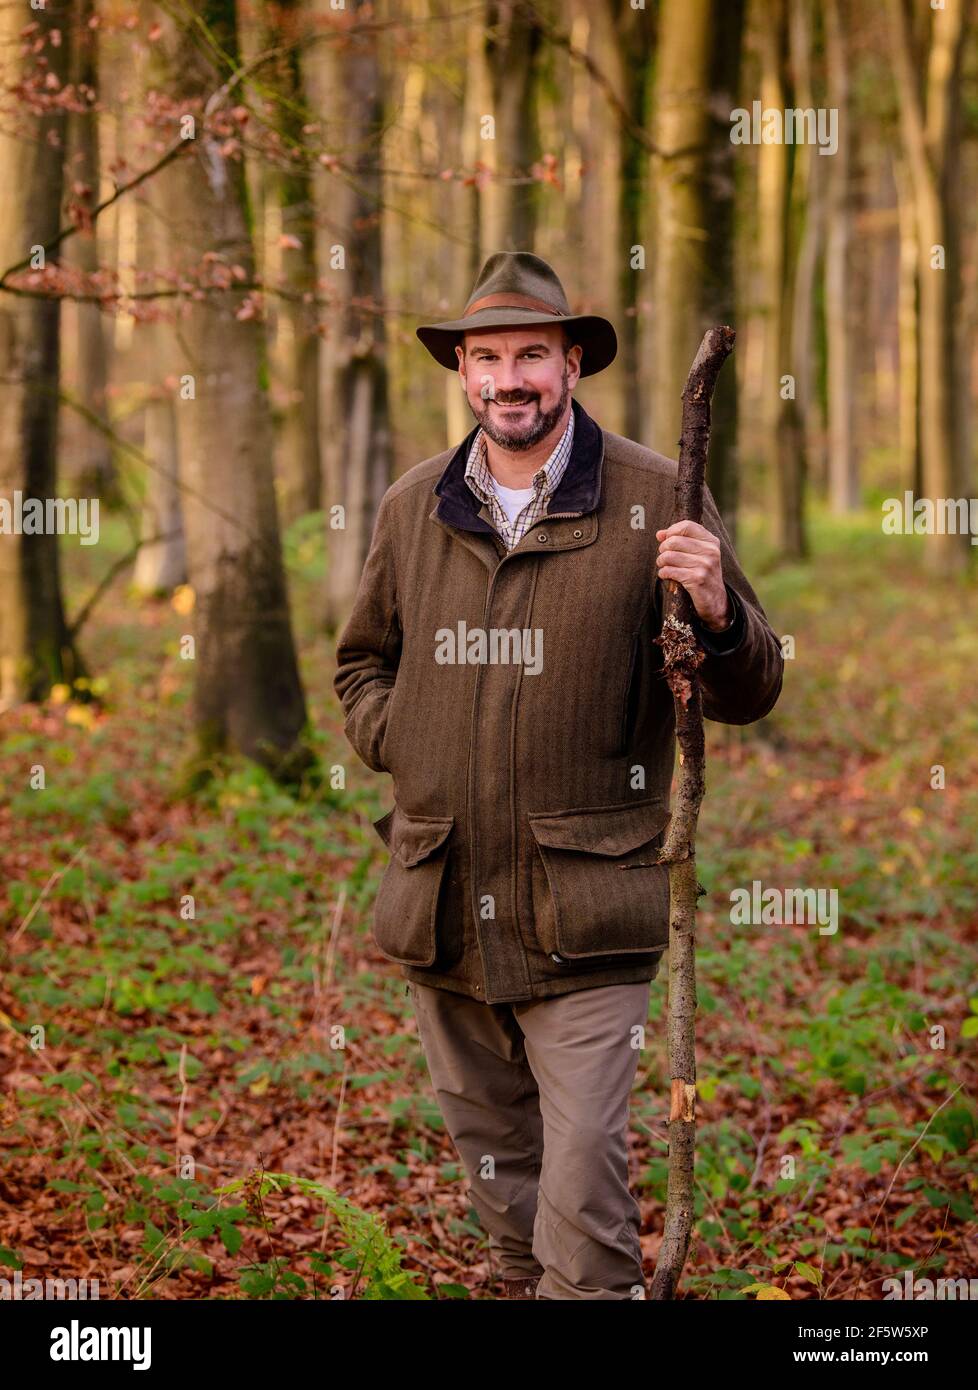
(515, 289)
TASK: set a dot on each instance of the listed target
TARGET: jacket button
(542, 537)
(578, 535)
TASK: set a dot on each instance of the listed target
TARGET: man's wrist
(728, 639)
(728, 619)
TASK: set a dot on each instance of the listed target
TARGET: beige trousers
(535, 1097)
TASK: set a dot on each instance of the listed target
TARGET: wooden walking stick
(682, 656)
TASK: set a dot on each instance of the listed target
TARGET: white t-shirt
(513, 499)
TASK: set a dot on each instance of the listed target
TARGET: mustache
(514, 398)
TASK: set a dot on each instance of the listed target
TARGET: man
(499, 663)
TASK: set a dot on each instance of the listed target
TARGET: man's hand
(690, 553)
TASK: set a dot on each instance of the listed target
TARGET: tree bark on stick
(682, 657)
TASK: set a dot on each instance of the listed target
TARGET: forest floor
(189, 994)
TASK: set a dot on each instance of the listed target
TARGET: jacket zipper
(473, 838)
(552, 516)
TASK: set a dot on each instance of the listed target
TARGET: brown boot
(520, 1288)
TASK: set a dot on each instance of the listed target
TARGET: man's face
(517, 381)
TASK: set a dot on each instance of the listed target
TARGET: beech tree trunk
(681, 241)
(698, 63)
(344, 82)
(781, 442)
(931, 133)
(635, 32)
(35, 650)
(508, 206)
(467, 260)
(288, 255)
(248, 698)
(843, 477)
(588, 226)
(911, 473)
(808, 188)
(161, 563)
(86, 452)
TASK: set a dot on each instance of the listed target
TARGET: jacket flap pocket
(601, 830)
(413, 838)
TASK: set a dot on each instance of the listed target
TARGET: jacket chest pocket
(406, 907)
(597, 889)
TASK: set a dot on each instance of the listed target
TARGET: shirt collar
(578, 494)
(545, 479)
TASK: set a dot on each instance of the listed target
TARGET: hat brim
(596, 335)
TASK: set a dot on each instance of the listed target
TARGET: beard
(535, 424)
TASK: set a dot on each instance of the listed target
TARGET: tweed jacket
(516, 699)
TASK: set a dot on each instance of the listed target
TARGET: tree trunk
(781, 434)
(809, 181)
(841, 361)
(35, 651)
(344, 81)
(248, 698)
(698, 66)
(288, 258)
(593, 205)
(86, 452)
(635, 44)
(681, 242)
(720, 281)
(931, 133)
(161, 564)
(911, 473)
(467, 260)
(508, 206)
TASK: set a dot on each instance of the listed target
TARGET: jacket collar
(578, 491)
